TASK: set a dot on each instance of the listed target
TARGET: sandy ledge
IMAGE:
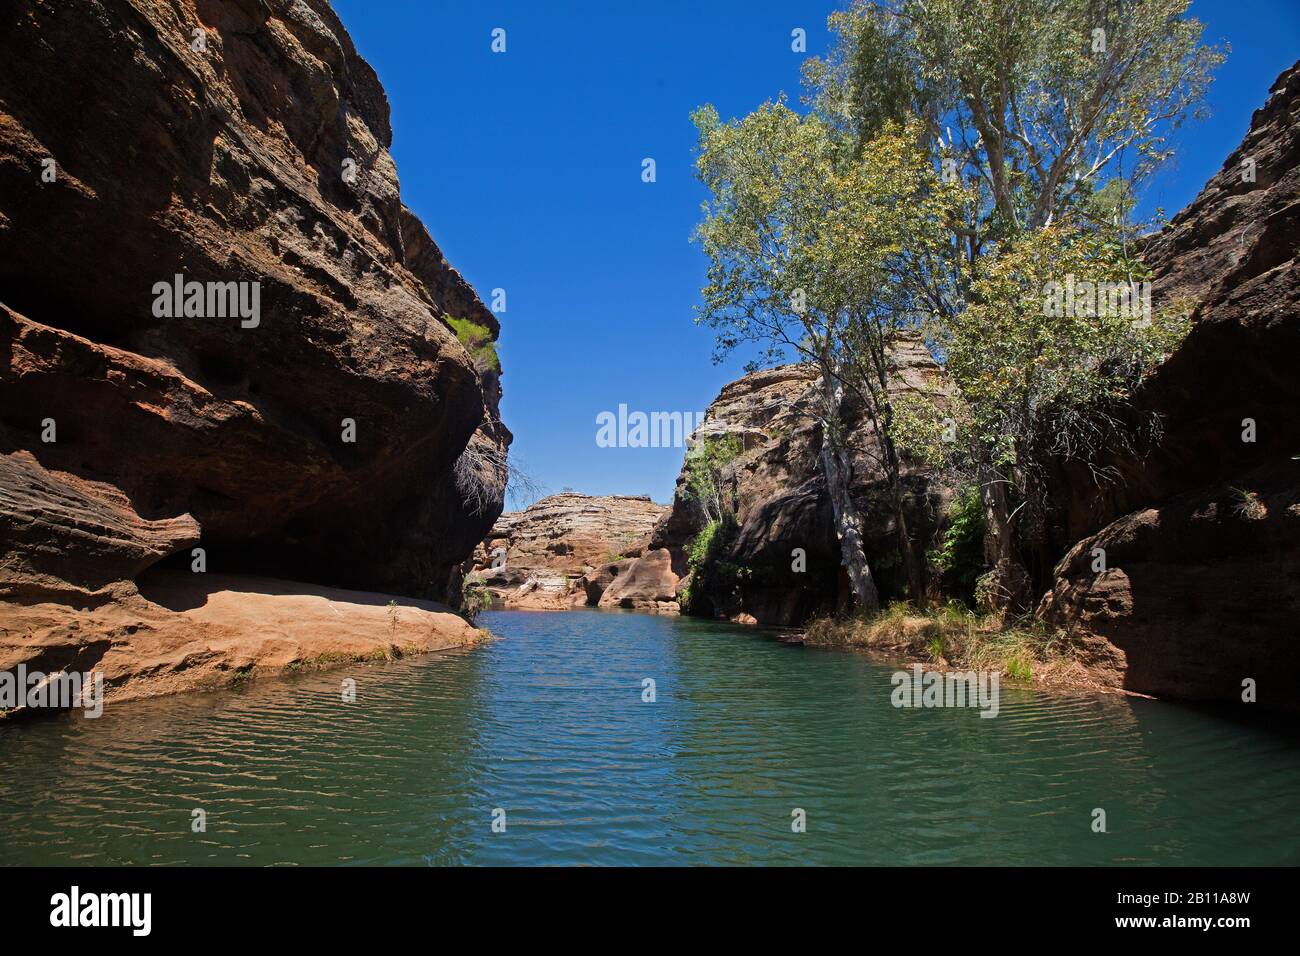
(179, 632)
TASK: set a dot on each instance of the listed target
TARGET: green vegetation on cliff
(715, 584)
(959, 558)
(477, 340)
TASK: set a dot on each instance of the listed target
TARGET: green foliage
(955, 615)
(477, 340)
(1020, 667)
(804, 231)
(1247, 504)
(1024, 96)
(707, 486)
(923, 428)
(475, 597)
(1032, 379)
(716, 583)
(703, 545)
(960, 557)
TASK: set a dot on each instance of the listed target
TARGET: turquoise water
(548, 725)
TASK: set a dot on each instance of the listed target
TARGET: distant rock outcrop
(1202, 535)
(565, 550)
(300, 414)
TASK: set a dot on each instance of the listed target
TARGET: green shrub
(708, 483)
(715, 583)
(1020, 668)
(959, 559)
(954, 636)
(475, 597)
(477, 340)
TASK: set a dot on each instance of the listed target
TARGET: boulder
(647, 584)
(597, 581)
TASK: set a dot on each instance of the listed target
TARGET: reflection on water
(549, 725)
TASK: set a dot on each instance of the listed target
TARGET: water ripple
(548, 724)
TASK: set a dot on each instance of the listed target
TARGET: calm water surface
(548, 724)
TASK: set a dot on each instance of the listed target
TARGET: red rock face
(647, 584)
(783, 504)
(1198, 593)
(565, 550)
(225, 160)
(1203, 586)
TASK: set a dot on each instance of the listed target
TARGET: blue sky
(526, 167)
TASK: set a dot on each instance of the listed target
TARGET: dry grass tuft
(953, 636)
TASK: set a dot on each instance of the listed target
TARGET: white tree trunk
(848, 524)
(1007, 585)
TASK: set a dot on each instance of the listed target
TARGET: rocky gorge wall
(313, 437)
(1201, 534)
(782, 500)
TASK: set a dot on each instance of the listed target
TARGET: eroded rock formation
(645, 583)
(566, 550)
(1202, 534)
(240, 142)
(783, 504)
(175, 631)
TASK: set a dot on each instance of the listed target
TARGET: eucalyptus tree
(1054, 112)
(803, 231)
(709, 483)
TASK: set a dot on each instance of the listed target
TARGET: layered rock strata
(566, 550)
(1201, 534)
(220, 328)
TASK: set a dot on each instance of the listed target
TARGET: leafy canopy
(802, 234)
(1029, 370)
(1038, 103)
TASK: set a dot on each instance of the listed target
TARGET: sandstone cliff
(1200, 528)
(313, 438)
(783, 504)
(1202, 535)
(566, 550)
